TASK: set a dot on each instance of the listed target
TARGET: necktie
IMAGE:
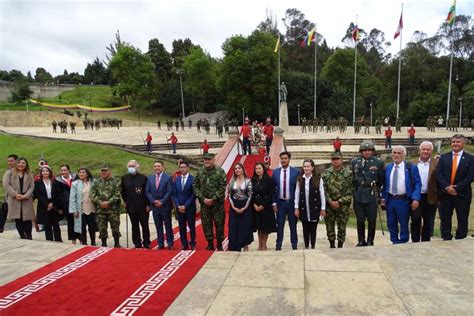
(183, 181)
(157, 181)
(395, 181)
(284, 183)
(454, 168)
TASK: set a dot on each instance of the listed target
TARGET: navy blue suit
(161, 215)
(185, 197)
(398, 210)
(461, 202)
(285, 207)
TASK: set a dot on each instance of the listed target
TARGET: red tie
(284, 184)
(157, 181)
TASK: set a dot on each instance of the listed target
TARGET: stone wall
(39, 90)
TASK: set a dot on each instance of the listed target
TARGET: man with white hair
(429, 195)
(136, 203)
(400, 193)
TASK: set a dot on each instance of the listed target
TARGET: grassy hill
(96, 96)
(75, 154)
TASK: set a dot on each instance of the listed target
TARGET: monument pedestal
(283, 120)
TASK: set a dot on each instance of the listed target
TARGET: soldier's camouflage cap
(208, 156)
(336, 154)
(366, 145)
(106, 166)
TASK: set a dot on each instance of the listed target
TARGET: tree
(181, 49)
(161, 59)
(21, 92)
(96, 73)
(114, 47)
(42, 76)
(16, 76)
(133, 73)
(269, 25)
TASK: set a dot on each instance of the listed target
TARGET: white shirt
(307, 181)
(282, 174)
(400, 180)
(47, 185)
(424, 169)
(184, 178)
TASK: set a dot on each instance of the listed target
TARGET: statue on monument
(283, 92)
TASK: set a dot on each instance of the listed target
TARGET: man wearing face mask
(133, 193)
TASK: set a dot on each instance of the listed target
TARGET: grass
(95, 96)
(21, 107)
(75, 154)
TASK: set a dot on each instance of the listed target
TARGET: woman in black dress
(47, 193)
(64, 181)
(264, 221)
(239, 191)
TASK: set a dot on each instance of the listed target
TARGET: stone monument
(283, 110)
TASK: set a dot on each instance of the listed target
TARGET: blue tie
(395, 181)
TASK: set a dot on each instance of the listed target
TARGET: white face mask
(132, 170)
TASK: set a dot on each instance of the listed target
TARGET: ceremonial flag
(311, 37)
(355, 33)
(277, 45)
(400, 27)
(451, 14)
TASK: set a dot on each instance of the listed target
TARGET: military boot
(361, 234)
(219, 246)
(117, 242)
(92, 235)
(371, 233)
(104, 242)
(210, 245)
(339, 244)
(332, 244)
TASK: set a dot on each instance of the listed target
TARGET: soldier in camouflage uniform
(105, 194)
(209, 187)
(55, 124)
(338, 192)
(368, 176)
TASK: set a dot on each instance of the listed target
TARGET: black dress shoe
(184, 247)
(170, 247)
(146, 246)
(161, 247)
(370, 242)
(210, 245)
(219, 246)
(278, 248)
(193, 247)
(295, 247)
(361, 244)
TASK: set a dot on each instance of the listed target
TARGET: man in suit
(185, 201)
(455, 174)
(400, 193)
(429, 195)
(284, 179)
(159, 189)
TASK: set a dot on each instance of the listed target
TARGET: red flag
(400, 27)
(355, 33)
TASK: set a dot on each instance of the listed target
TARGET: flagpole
(449, 85)
(399, 67)
(278, 84)
(355, 74)
(315, 69)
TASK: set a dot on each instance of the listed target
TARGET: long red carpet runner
(103, 281)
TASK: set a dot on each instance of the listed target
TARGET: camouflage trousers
(339, 216)
(102, 220)
(210, 216)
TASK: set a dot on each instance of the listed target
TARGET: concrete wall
(39, 90)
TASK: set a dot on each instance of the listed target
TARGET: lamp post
(371, 113)
(180, 73)
(299, 121)
(460, 112)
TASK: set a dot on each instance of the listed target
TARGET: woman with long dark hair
(240, 193)
(81, 206)
(65, 180)
(264, 221)
(310, 203)
(47, 193)
(19, 187)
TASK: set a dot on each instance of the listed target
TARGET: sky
(68, 34)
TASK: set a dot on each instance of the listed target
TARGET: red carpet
(99, 281)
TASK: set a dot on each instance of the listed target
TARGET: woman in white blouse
(81, 206)
(310, 203)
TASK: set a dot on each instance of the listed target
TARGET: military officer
(209, 187)
(338, 190)
(105, 195)
(368, 176)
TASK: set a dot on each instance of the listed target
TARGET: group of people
(262, 202)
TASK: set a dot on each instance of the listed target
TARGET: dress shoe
(117, 243)
(278, 248)
(295, 247)
(161, 247)
(219, 246)
(170, 247)
(185, 247)
(210, 245)
(193, 247)
(332, 244)
(339, 244)
(104, 242)
(146, 246)
(370, 242)
(361, 243)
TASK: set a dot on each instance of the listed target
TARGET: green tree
(21, 92)
(96, 73)
(42, 76)
(181, 49)
(161, 59)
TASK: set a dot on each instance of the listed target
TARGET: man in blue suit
(455, 174)
(159, 189)
(185, 202)
(400, 193)
(284, 179)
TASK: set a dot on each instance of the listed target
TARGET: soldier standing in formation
(368, 176)
(209, 187)
(55, 125)
(105, 195)
(338, 191)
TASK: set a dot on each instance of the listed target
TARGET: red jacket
(246, 130)
(173, 139)
(411, 131)
(205, 148)
(148, 138)
(388, 133)
(337, 144)
(268, 131)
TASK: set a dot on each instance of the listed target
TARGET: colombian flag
(311, 37)
(451, 14)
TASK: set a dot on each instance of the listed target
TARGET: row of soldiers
(63, 126)
(88, 124)
(319, 124)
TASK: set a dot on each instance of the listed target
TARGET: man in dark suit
(429, 195)
(455, 174)
(185, 201)
(401, 194)
(159, 189)
(284, 179)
